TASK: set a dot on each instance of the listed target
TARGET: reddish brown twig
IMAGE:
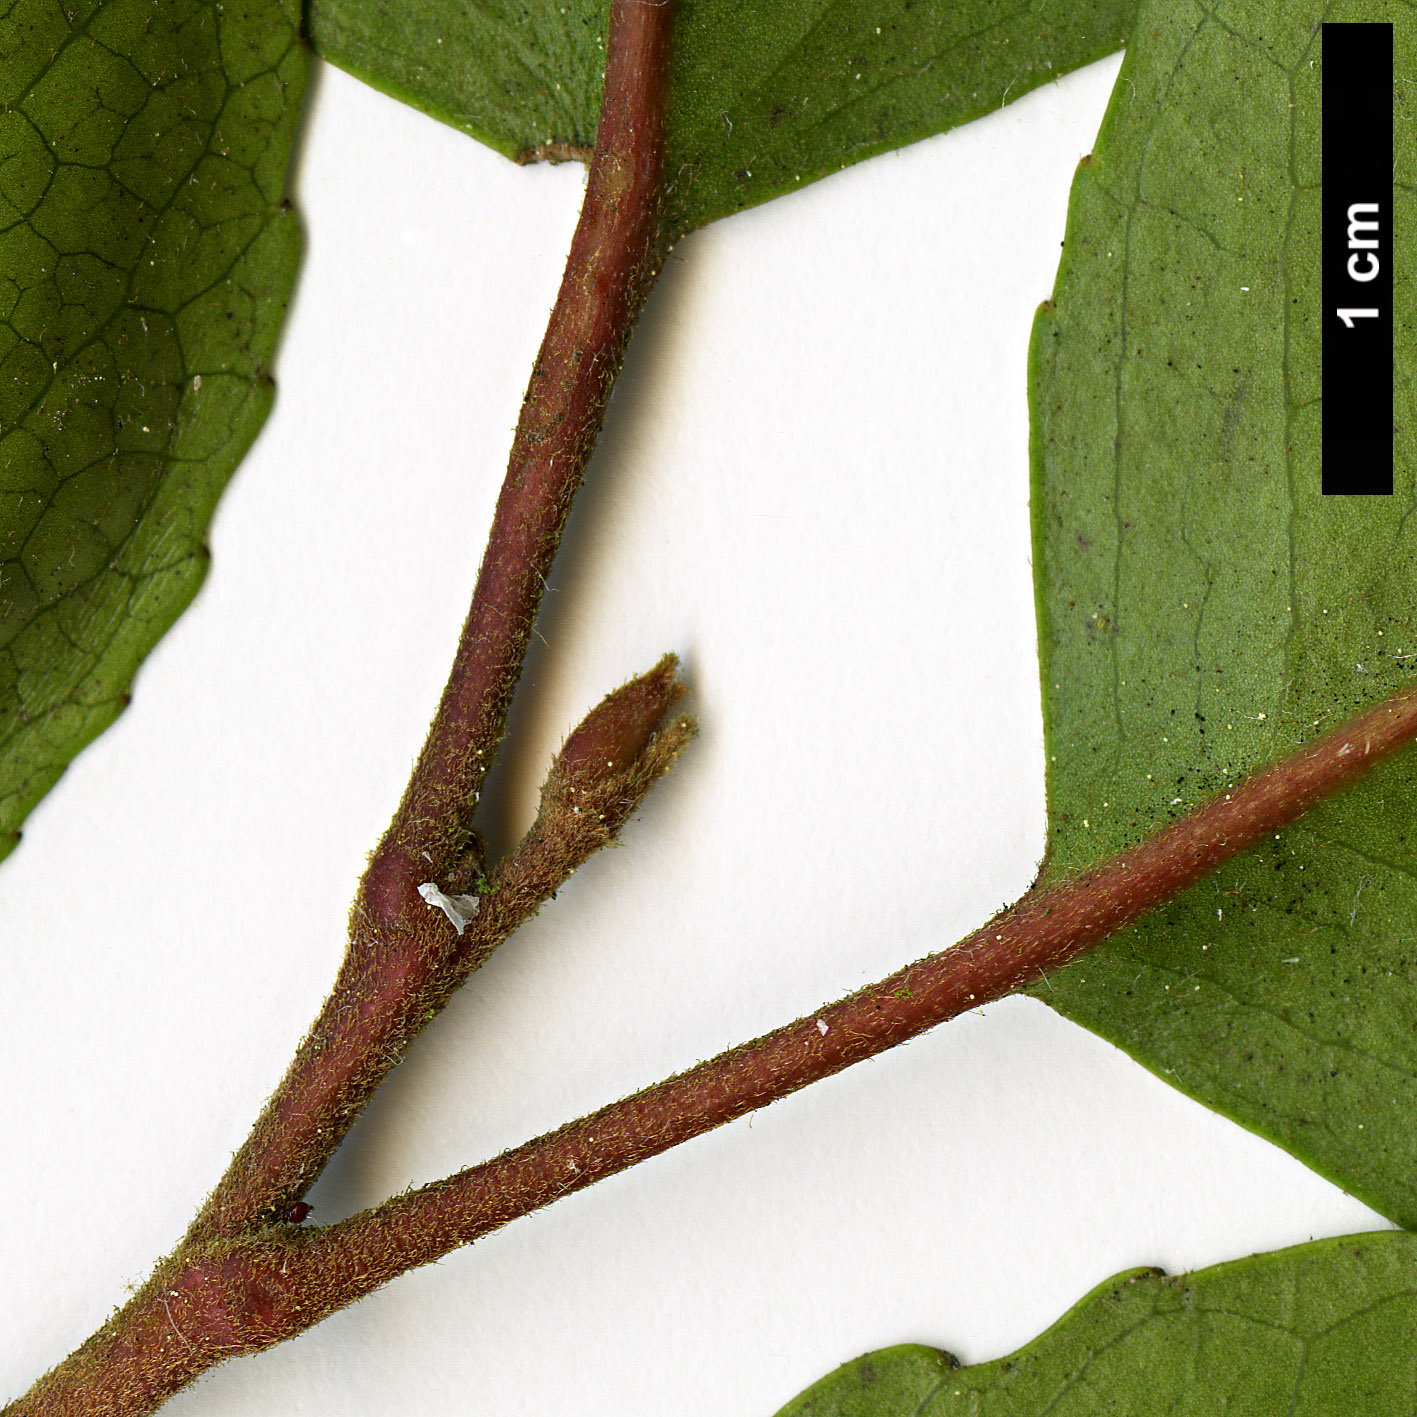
(1048, 927)
(209, 1300)
(221, 1295)
(239, 1295)
(244, 1278)
(403, 959)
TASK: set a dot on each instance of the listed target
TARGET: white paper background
(813, 486)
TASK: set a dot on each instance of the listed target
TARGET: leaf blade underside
(763, 98)
(1316, 1330)
(1203, 608)
(145, 262)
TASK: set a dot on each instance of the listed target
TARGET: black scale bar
(1357, 259)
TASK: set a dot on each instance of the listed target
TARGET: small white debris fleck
(1219, 914)
(197, 384)
(821, 1028)
(1293, 959)
(458, 908)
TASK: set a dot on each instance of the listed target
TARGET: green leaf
(764, 97)
(1321, 1329)
(1203, 608)
(145, 263)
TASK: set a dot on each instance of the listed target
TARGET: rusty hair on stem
(1049, 926)
(403, 958)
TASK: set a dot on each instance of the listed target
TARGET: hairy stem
(244, 1278)
(404, 960)
(1047, 928)
(231, 1287)
(239, 1295)
(615, 255)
